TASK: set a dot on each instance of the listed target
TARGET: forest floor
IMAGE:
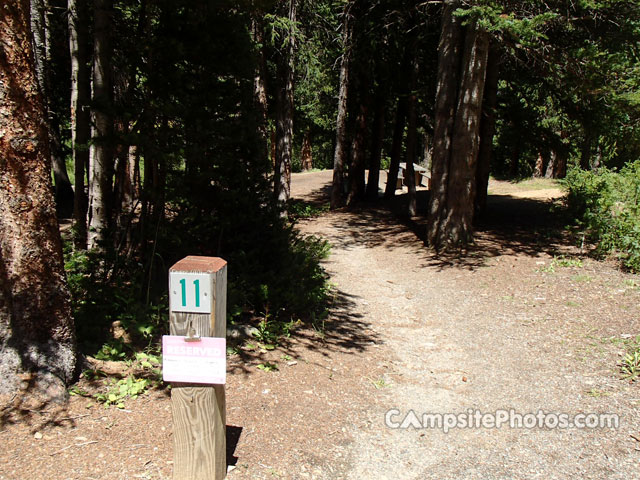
(524, 321)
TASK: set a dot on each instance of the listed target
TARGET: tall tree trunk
(487, 129)
(284, 116)
(41, 30)
(585, 150)
(549, 172)
(36, 328)
(412, 138)
(445, 108)
(306, 153)
(340, 155)
(259, 84)
(396, 147)
(376, 146)
(538, 168)
(514, 167)
(560, 165)
(453, 226)
(80, 114)
(358, 152)
(101, 178)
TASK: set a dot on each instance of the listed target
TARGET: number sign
(190, 292)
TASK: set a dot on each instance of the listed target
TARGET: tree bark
(396, 147)
(358, 152)
(412, 138)
(41, 31)
(376, 147)
(37, 338)
(260, 84)
(487, 129)
(80, 115)
(585, 151)
(306, 153)
(340, 155)
(284, 116)
(101, 178)
(445, 108)
(453, 226)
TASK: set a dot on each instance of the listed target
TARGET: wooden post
(199, 417)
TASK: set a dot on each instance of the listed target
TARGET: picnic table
(422, 175)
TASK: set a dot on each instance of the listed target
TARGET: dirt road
(508, 330)
(522, 328)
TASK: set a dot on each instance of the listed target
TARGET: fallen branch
(74, 445)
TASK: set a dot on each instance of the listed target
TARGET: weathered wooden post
(197, 312)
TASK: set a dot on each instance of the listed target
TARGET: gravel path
(515, 330)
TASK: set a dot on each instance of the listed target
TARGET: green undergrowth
(298, 209)
(275, 283)
(141, 372)
(113, 319)
(607, 209)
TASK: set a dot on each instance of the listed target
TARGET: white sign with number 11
(190, 292)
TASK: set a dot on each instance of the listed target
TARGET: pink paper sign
(203, 361)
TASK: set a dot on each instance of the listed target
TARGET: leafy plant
(606, 205)
(630, 366)
(561, 261)
(120, 390)
(300, 209)
(268, 367)
(117, 391)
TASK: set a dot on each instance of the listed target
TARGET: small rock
(37, 435)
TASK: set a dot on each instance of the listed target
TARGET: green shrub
(104, 292)
(605, 204)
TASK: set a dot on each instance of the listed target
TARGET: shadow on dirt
(342, 330)
(30, 408)
(511, 225)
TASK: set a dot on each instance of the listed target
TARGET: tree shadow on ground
(29, 407)
(342, 330)
(512, 225)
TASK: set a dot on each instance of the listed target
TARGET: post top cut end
(193, 263)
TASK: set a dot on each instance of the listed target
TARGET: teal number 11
(196, 283)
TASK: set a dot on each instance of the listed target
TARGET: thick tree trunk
(445, 108)
(306, 153)
(284, 117)
(487, 130)
(396, 148)
(80, 115)
(458, 226)
(373, 180)
(453, 227)
(101, 178)
(341, 151)
(560, 164)
(36, 329)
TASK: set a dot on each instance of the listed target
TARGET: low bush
(605, 205)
